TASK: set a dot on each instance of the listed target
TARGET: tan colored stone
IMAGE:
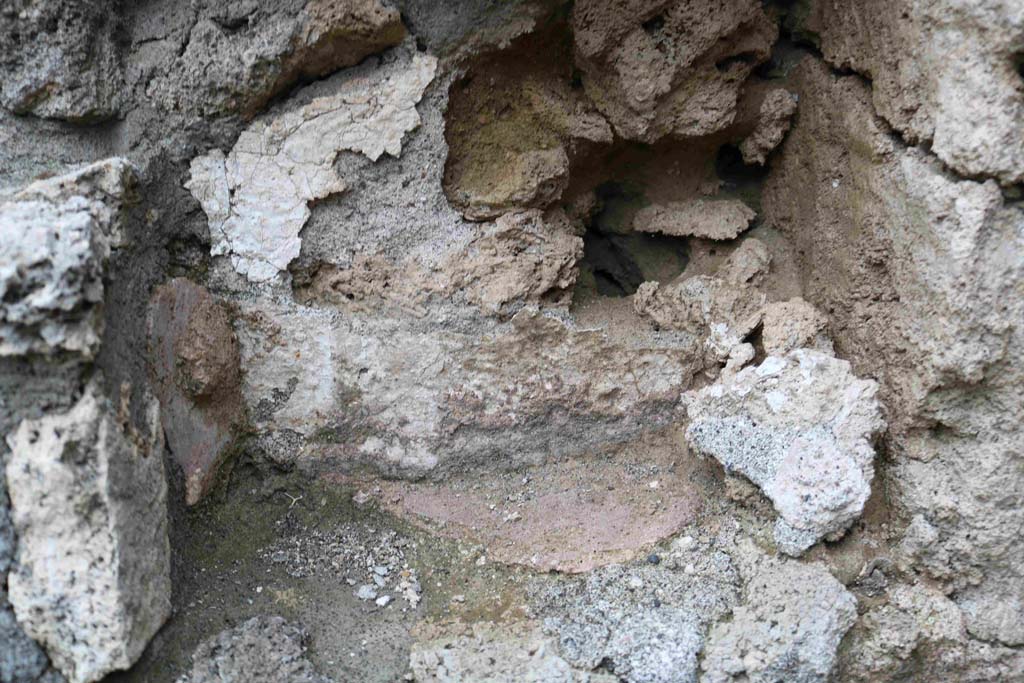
(714, 219)
(658, 68)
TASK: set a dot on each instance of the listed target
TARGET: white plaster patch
(257, 197)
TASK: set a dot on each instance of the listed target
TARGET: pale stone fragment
(56, 236)
(801, 427)
(788, 628)
(514, 653)
(91, 578)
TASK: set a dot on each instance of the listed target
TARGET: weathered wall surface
(920, 270)
(651, 253)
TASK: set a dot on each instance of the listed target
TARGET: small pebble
(653, 559)
(383, 601)
(366, 592)
(684, 542)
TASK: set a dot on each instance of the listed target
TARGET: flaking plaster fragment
(801, 427)
(256, 198)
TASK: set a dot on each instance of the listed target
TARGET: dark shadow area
(739, 179)
(616, 260)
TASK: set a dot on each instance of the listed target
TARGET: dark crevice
(741, 180)
(619, 260)
(734, 172)
(654, 25)
(608, 257)
(743, 58)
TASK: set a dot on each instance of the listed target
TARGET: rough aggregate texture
(715, 220)
(646, 623)
(56, 239)
(801, 427)
(721, 309)
(934, 66)
(788, 628)
(444, 302)
(657, 68)
(501, 655)
(513, 396)
(61, 60)
(921, 274)
(91, 579)
(238, 56)
(262, 650)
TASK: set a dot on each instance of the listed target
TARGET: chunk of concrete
(719, 312)
(261, 650)
(645, 623)
(236, 57)
(512, 653)
(520, 259)
(21, 659)
(773, 122)
(801, 427)
(748, 265)
(91, 578)
(657, 68)
(787, 629)
(942, 71)
(56, 237)
(61, 59)
(794, 324)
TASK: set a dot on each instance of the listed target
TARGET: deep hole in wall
(617, 260)
(740, 180)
